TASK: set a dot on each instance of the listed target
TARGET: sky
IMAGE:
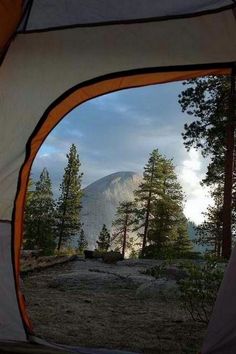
(117, 132)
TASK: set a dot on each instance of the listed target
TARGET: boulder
(93, 254)
(88, 254)
(112, 257)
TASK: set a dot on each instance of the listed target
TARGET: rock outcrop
(101, 199)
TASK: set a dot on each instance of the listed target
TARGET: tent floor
(36, 348)
(28, 348)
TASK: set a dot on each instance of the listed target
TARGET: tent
(57, 54)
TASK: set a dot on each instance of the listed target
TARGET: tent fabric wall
(46, 14)
(11, 327)
(46, 74)
(40, 67)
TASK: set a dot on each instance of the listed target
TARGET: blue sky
(116, 132)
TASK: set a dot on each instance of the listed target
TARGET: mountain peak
(101, 199)
(109, 180)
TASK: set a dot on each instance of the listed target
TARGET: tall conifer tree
(124, 222)
(160, 198)
(82, 242)
(167, 208)
(104, 240)
(209, 233)
(40, 215)
(69, 202)
(211, 101)
(206, 100)
(148, 191)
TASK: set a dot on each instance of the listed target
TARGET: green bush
(169, 252)
(158, 271)
(155, 252)
(199, 289)
(66, 251)
(112, 257)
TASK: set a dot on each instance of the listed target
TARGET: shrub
(169, 252)
(155, 252)
(158, 271)
(199, 289)
(198, 284)
(65, 251)
(168, 270)
(112, 257)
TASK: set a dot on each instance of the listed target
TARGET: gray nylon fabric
(57, 13)
(11, 327)
(78, 349)
(39, 67)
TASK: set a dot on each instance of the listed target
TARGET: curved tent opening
(65, 104)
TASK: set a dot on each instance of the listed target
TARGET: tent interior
(56, 55)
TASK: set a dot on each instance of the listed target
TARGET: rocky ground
(89, 303)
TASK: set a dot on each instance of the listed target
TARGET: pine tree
(207, 100)
(124, 223)
(161, 199)
(210, 102)
(29, 242)
(182, 244)
(148, 191)
(167, 208)
(40, 215)
(209, 233)
(104, 240)
(69, 203)
(82, 242)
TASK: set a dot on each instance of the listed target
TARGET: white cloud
(191, 172)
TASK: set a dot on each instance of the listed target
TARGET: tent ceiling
(40, 67)
(46, 14)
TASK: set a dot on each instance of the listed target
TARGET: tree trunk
(64, 213)
(229, 166)
(125, 236)
(215, 246)
(218, 249)
(146, 224)
(60, 236)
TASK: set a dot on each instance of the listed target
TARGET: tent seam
(130, 21)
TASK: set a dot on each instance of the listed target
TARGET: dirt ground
(91, 304)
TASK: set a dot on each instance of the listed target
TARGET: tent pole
(229, 168)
